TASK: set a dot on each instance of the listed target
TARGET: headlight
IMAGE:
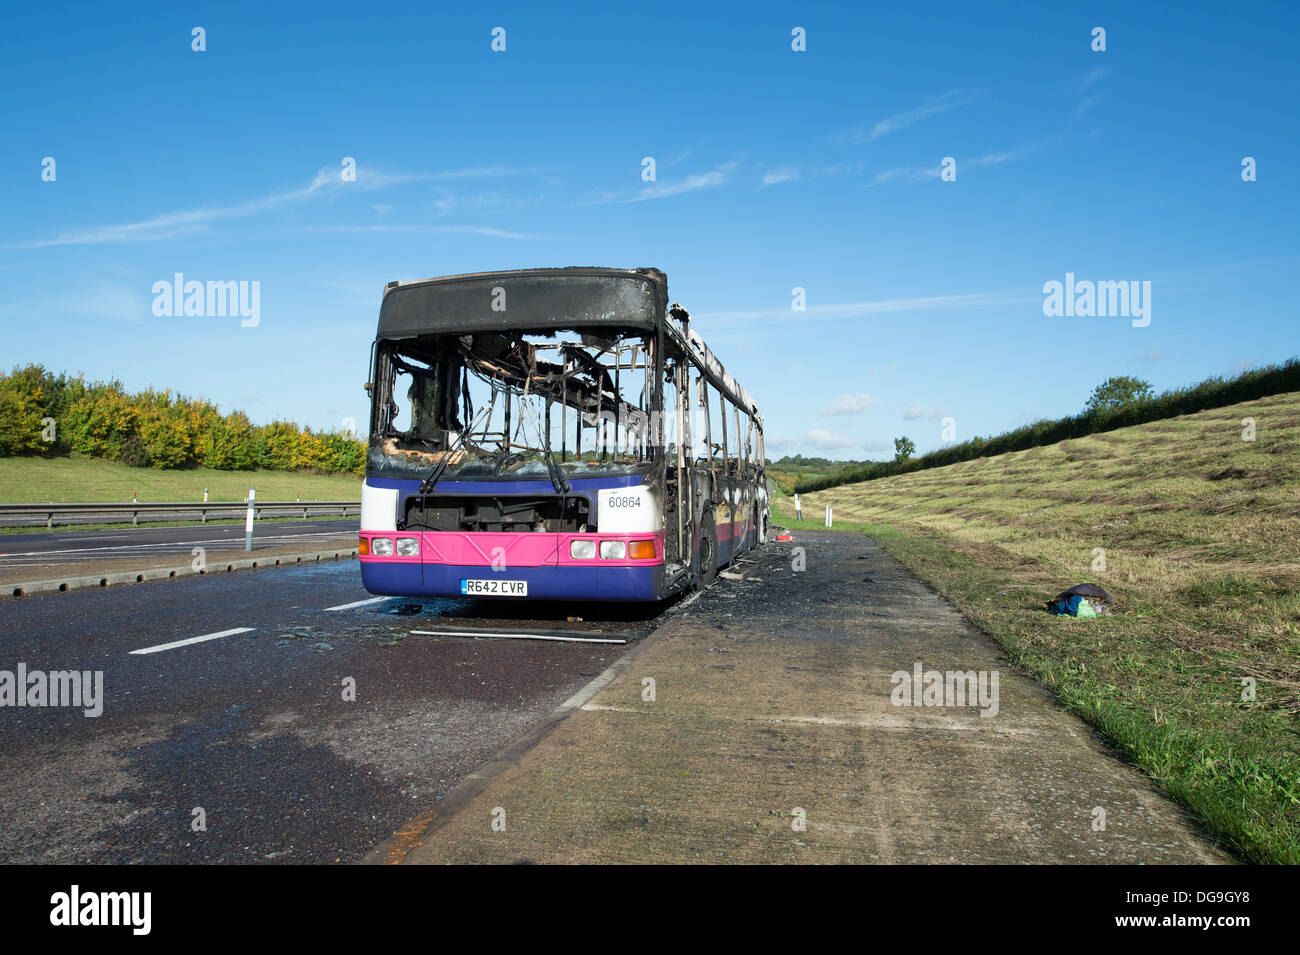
(408, 547)
(381, 546)
(582, 550)
(613, 550)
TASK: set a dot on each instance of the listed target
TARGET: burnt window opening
(515, 404)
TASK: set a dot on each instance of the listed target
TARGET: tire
(707, 555)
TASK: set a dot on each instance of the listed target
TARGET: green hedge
(1214, 392)
(156, 429)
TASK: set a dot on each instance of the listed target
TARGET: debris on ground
(1081, 600)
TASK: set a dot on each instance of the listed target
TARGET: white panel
(625, 510)
(378, 508)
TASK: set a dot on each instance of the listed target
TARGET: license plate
(494, 588)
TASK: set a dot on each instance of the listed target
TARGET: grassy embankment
(1201, 534)
(79, 478)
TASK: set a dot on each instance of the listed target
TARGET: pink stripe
(479, 549)
(523, 549)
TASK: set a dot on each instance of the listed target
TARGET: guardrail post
(135, 518)
(49, 522)
(248, 522)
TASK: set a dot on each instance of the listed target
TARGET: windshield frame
(390, 452)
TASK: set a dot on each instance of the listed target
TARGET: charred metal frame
(545, 301)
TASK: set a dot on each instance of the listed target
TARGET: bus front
(512, 449)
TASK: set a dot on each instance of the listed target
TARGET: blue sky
(775, 169)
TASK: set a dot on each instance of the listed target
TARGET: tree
(276, 445)
(228, 444)
(903, 448)
(20, 418)
(1118, 392)
(102, 421)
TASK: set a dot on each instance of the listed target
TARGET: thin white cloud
(824, 440)
(839, 168)
(780, 174)
(706, 180)
(919, 412)
(1086, 84)
(1088, 103)
(416, 228)
(990, 159)
(907, 174)
(1093, 77)
(929, 173)
(171, 225)
(372, 178)
(848, 405)
(891, 124)
(448, 202)
(870, 308)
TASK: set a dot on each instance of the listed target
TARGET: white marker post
(828, 515)
(798, 511)
(248, 521)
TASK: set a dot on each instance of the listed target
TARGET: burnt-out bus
(553, 434)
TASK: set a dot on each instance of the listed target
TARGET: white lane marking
(186, 643)
(358, 603)
(513, 636)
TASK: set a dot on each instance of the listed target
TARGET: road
(38, 550)
(252, 728)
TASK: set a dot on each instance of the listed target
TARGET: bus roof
(524, 298)
(573, 297)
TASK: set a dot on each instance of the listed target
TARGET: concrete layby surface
(772, 694)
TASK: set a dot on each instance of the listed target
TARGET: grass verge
(1196, 533)
(77, 478)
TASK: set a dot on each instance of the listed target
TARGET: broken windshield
(497, 405)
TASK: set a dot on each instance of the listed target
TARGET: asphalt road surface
(250, 731)
(36, 550)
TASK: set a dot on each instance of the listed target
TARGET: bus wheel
(708, 553)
